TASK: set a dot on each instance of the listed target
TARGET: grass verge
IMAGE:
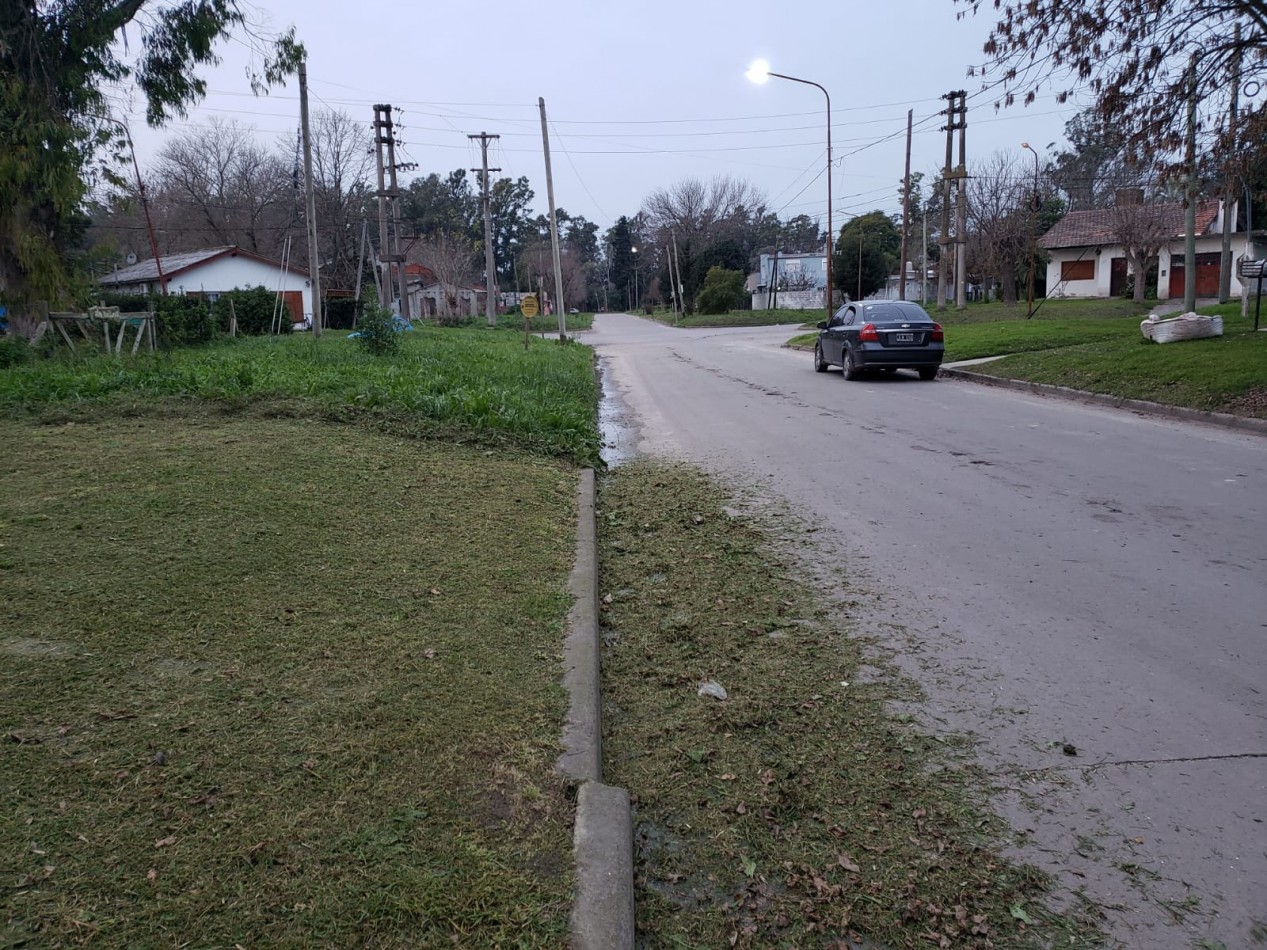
(798, 811)
(272, 682)
(742, 318)
(461, 384)
(1219, 374)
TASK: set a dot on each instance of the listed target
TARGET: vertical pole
(382, 272)
(943, 241)
(681, 288)
(1225, 259)
(310, 203)
(401, 277)
(145, 206)
(961, 210)
(360, 263)
(831, 235)
(860, 233)
(490, 273)
(1190, 196)
(554, 224)
(923, 267)
(906, 209)
(774, 279)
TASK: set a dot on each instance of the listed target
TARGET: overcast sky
(642, 94)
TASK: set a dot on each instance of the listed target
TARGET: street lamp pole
(1033, 247)
(759, 72)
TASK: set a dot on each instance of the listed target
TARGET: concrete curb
(1244, 423)
(602, 839)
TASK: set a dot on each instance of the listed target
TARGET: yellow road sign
(529, 306)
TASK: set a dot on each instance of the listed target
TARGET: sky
(640, 95)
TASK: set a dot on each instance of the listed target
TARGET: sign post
(1253, 269)
(528, 307)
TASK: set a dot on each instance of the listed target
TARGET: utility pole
(392, 166)
(961, 211)
(677, 263)
(490, 276)
(310, 202)
(1190, 197)
(923, 267)
(554, 226)
(906, 209)
(1229, 225)
(956, 113)
(382, 133)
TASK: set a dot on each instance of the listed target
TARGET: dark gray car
(881, 334)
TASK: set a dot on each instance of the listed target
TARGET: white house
(214, 271)
(1087, 259)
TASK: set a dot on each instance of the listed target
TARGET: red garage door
(1207, 275)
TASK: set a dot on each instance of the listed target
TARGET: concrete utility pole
(490, 275)
(392, 166)
(554, 226)
(310, 202)
(1190, 197)
(382, 135)
(1229, 225)
(956, 112)
(677, 265)
(906, 209)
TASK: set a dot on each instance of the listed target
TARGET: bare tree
(1000, 221)
(1142, 233)
(539, 258)
(705, 212)
(342, 162)
(452, 259)
(217, 185)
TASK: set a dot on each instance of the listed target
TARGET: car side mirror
(822, 324)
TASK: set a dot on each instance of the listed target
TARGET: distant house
(430, 298)
(214, 271)
(1087, 258)
(798, 278)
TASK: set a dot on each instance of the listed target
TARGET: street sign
(1250, 268)
(529, 306)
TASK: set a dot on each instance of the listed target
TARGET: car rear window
(881, 315)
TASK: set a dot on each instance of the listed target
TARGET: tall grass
(464, 382)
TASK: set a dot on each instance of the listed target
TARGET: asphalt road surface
(1061, 578)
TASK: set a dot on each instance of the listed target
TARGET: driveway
(1080, 588)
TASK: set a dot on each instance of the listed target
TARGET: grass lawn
(465, 384)
(802, 809)
(1219, 374)
(269, 678)
(741, 318)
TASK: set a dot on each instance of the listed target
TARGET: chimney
(1125, 197)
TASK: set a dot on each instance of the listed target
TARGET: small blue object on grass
(399, 324)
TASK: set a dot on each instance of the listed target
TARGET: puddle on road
(616, 427)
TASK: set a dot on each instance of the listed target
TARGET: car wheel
(928, 372)
(820, 364)
(848, 367)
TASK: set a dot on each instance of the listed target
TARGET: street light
(759, 72)
(1033, 248)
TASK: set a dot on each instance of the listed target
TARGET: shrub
(375, 330)
(14, 351)
(183, 321)
(255, 309)
(340, 313)
(722, 291)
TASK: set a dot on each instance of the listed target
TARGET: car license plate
(904, 338)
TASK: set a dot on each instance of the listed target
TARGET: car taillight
(868, 335)
(938, 335)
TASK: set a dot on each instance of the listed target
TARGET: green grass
(463, 384)
(1046, 309)
(742, 318)
(545, 324)
(1219, 374)
(801, 809)
(272, 682)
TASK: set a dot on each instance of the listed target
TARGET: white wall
(1099, 286)
(239, 273)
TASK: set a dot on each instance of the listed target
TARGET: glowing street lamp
(759, 72)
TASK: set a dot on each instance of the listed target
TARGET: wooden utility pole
(677, 265)
(490, 275)
(310, 202)
(554, 226)
(906, 209)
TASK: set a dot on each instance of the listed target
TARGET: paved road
(1053, 573)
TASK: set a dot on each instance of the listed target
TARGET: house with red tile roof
(1086, 256)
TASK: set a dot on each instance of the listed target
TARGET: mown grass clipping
(271, 682)
(800, 811)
